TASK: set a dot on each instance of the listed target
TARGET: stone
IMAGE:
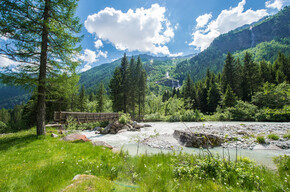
(242, 132)
(197, 140)
(54, 135)
(147, 125)
(101, 143)
(75, 137)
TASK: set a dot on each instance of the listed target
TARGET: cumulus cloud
(6, 62)
(146, 30)
(176, 54)
(102, 54)
(274, 4)
(226, 21)
(203, 20)
(89, 56)
(98, 44)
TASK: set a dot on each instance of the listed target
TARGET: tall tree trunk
(42, 73)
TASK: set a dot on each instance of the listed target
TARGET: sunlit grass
(31, 163)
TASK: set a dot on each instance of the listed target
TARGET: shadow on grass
(18, 141)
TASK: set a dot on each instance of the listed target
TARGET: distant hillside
(271, 28)
(11, 96)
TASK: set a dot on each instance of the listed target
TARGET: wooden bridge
(83, 117)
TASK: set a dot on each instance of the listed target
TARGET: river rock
(54, 135)
(197, 140)
(75, 137)
(101, 143)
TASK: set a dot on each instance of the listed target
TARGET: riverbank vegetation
(31, 163)
(243, 91)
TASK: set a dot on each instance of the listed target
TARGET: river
(159, 138)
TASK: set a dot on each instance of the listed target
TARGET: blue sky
(159, 27)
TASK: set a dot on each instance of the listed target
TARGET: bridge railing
(83, 117)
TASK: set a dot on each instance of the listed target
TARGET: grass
(273, 136)
(31, 163)
(261, 139)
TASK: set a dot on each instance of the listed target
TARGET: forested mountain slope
(275, 27)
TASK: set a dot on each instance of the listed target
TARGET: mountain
(275, 28)
(156, 68)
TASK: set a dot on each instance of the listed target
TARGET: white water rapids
(159, 138)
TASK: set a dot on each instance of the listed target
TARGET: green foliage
(261, 139)
(101, 98)
(273, 136)
(61, 161)
(243, 111)
(272, 96)
(125, 118)
(72, 125)
(154, 117)
(283, 164)
(191, 116)
(229, 98)
(3, 127)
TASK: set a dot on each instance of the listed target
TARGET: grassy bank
(31, 163)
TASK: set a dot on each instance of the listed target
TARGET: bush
(261, 139)
(154, 117)
(286, 136)
(125, 118)
(283, 164)
(281, 115)
(243, 111)
(3, 127)
(273, 136)
(173, 118)
(190, 115)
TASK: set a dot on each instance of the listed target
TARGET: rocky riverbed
(235, 134)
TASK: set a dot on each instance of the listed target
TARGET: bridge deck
(83, 117)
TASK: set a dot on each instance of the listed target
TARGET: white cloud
(227, 20)
(89, 56)
(102, 54)
(176, 54)
(274, 4)
(6, 62)
(145, 30)
(203, 20)
(98, 44)
(86, 67)
(3, 38)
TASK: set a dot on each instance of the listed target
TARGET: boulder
(242, 132)
(147, 125)
(54, 135)
(75, 137)
(102, 143)
(197, 140)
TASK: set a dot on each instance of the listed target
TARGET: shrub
(283, 164)
(281, 115)
(273, 136)
(191, 115)
(154, 117)
(173, 118)
(261, 139)
(286, 136)
(125, 118)
(3, 127)
(243, 111)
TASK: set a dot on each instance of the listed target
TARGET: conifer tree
(213, 97)
(132, 96)
(101, 98)
(229, 73)
(141, 86)
(250, 77)
(42, 39)
(82, 99)
(229, 98)
(265, 72)
(189, 94)
(116, 94)
(125, 81)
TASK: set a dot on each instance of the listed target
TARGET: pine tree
(229, 73)
(229, 98)
(82, 99)
(116, 94)
(265, 71)
(188, 93)
(132, 96)
(125, 84)
(141, 86)
(101, 98)
(42, 39)
(250, 77)
(213, 97)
